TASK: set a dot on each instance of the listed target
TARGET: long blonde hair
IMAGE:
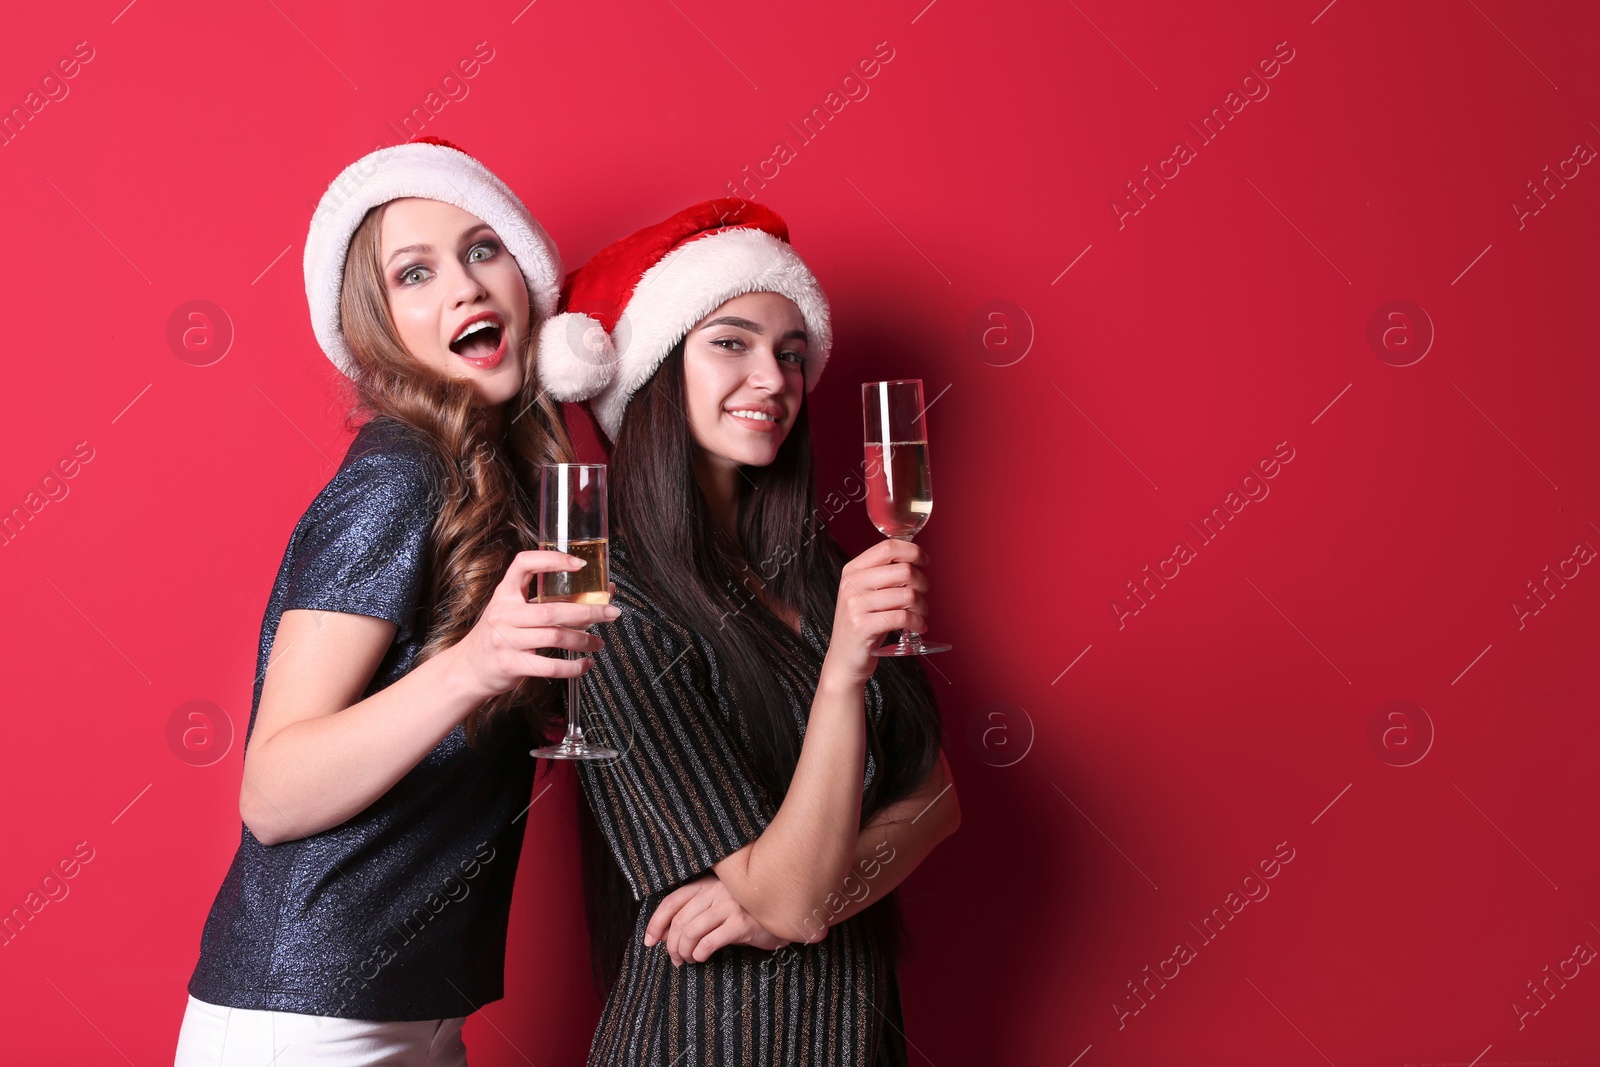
(489, 483)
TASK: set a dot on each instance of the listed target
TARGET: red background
(1107, 806)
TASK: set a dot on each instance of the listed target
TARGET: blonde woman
(398, 690)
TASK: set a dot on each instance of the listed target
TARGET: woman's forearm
(810, 844)
(318, 772)
(894, 843)
(320, 753)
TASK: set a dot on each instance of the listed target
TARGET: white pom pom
(575, 358)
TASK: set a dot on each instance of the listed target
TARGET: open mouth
(479, 341)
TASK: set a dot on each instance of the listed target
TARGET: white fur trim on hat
(688, 284)
(576, 357)
(433, 172)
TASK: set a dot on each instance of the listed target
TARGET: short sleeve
(682, 795)
(362, 546)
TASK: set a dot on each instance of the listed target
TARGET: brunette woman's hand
(500, 649)
(700, 917)
(880, 591)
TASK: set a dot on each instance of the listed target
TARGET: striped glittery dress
(680, 798)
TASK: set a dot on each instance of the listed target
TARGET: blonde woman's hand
(501, 648)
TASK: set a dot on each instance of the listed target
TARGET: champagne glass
(899, 482)
(572, 519)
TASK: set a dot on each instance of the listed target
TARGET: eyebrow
(428, 250)
(753, 327)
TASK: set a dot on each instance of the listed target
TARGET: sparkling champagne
(587, 585)
(899, 487)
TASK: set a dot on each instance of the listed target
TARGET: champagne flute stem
(574, 730)
(909, 639)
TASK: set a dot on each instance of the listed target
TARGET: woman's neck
(719, 483)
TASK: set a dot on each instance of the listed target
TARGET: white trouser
(215, 1036)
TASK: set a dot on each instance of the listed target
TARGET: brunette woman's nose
(765, 373)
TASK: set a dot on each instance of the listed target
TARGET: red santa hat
(626, 308)
(433, 169)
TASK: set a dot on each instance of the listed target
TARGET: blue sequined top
(400, 912)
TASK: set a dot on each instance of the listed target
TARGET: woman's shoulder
(388, 477)
(389, 443)
(636, 597)
(389, 458)
(631, 593)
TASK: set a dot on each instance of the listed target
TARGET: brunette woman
(776, 781)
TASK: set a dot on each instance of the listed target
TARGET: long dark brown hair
(689, 568)
(487, 481)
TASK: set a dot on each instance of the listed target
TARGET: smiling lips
(763, 418)
(481, 341)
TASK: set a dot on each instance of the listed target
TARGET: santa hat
(624, 310)
(433, 169)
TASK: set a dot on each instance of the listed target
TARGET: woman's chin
(496, 389)
(760, 452)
